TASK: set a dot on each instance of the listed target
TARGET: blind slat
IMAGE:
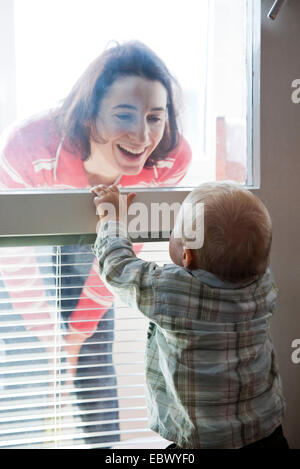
(73, 401)
(18, 335)
(60, 425)
(13, 382)
(36, 368)
(73, 436)
(60, 391)
(64, 411)
(34, 345)
(56, 322)
(120, 309)
(148, 248)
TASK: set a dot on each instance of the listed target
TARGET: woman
(118, 125)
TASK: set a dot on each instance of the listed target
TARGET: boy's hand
(110, 204)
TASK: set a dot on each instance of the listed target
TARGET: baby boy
(212, 375)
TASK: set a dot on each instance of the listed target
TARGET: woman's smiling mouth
(130, 152)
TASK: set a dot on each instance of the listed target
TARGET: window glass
(204, 46)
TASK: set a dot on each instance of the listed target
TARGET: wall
(280, 187)
(7, 75)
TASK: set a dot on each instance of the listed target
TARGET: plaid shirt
(212, 375)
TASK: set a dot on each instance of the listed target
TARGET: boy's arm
(129, 278)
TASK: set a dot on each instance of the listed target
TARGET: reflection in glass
(207, 50)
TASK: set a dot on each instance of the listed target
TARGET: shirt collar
(213, 281)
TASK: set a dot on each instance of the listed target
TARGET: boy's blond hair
(237, 231)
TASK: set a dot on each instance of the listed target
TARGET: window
(212, 47)
(208, 47)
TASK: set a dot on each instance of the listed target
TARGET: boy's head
(237, 232)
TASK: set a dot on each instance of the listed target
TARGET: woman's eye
(154, 119)
(124, 117)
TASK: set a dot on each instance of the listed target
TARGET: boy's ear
(187, 257)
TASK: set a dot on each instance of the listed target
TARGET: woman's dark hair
(80, 108)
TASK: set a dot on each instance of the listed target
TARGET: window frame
(18, 208)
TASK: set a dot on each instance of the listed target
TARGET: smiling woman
(118, 124)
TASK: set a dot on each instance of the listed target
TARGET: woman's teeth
(130, 151)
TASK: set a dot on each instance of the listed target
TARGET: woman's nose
(140, 132)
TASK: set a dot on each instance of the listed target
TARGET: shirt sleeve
(131, 279)
(15, 165)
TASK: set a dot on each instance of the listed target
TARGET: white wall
(280, 188)
(7, 66)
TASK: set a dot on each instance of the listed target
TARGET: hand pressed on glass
(110, 203)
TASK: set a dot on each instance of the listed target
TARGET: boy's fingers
(98, 189)
(130, 198)
(97, 201)
(114, 188)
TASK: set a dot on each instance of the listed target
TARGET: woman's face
(130, 124)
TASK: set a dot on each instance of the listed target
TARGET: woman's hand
(110, 203)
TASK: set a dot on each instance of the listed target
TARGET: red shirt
(32, 156)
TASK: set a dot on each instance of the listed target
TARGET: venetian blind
(53, 394)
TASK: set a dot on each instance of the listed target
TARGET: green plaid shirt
(212, 375)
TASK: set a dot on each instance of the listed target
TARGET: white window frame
(64, 215)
